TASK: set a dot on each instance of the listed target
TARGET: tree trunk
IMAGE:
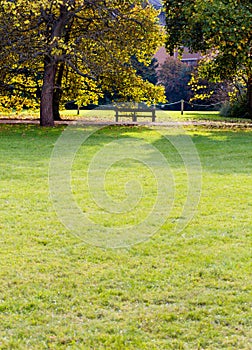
(56, 105)
(46, 103)
(58, 92)
(249, 96)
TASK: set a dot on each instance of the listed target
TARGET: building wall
(189, 58)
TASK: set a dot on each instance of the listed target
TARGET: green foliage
(75, 50)
(236, 108)
(221, 26)
(182, 81)
(210, 93)
(221, 30)
(148, 73)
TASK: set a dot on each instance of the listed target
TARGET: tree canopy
(221, 30)
(54, 51)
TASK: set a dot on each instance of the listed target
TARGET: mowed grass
(177, 290)
(100, 115)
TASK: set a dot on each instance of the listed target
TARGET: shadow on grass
(222, 151)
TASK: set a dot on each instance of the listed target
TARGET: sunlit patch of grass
(100, 115)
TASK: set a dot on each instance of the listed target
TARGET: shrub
(236, 109)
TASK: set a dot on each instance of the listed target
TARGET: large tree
(75, 49)
(221, 30)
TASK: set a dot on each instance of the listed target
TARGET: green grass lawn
(177, 290)
(109, 115)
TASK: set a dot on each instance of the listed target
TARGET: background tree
(175, 76)
(181, 81)
(221, 30)
(75, 49)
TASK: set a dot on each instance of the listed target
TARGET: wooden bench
(135, 113)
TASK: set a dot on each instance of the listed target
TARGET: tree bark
(249, 96)
(56, 105)
(46, 103)
(58, 92)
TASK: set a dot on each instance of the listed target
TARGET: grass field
(109, 115)
(178, 290)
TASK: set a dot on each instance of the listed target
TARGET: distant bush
(236, 109)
